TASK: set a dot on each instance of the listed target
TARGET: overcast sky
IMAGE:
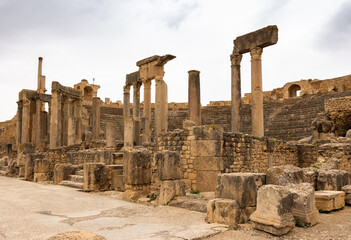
(103, 39)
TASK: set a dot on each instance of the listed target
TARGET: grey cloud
(175, 19)
(336, 34)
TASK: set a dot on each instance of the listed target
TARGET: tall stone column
(136, 112)
(38, 121)
(71, 128)
(147, 110)
(55, 120)
(111, 135)
(161, 110)
(257, 94)
(128, 131)
(25, 121)
(78, 116)
(126, 100)
(194, 100)
(19, 123)
(236, 92)
(96, 118)
(40, 64)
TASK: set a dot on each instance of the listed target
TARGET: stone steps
(76, 178)
(79, 173)
(196, 205)
(73, 184)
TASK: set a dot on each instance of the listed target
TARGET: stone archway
(294, 90)
(88, 94)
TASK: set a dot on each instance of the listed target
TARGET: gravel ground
(334, 225)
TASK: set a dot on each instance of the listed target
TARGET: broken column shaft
(194, 100)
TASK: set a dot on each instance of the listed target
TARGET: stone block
(171, 189)
(284, 175)
(310, 175)
(206, 180)
(4, 161)
(242, 187)
(205, 148)
(332, 179)
(95, 177)
(225, 211)
(41, 177)
(347, 190)
(168, 165)
(208, 164)
(329, 200)
(29, 168)
(137, 167)
(117, 182)
(62, 172)
(304, 207)
(41, 166)
(273, 212)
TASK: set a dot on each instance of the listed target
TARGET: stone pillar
(128, 132)
(236, 92)
(161, 111)
(25, 121)
(136, 112)
(147, 110)
(126, 100)
(38, 120)
(71, 128)
(55, 120)
(96, 118)
(194, 100)
(19, 123)
(78, 116)
(40, 64)
(110, 135)
(256, 92)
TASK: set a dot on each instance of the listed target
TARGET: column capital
(126, 89)
(147, 83)
(235, 59)
(136, 85)
(256, 53)
(158, 78)
(26, 102)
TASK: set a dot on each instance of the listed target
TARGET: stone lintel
(132, 78)
(30, 94)
(161, 60)
(263, 37)
(71, 92)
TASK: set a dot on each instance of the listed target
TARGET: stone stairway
(3, 170)
(75, 181)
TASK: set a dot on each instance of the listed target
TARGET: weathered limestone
(254, 43)
(29, 168)
(41, 78)
(147, 111)
(95, 177)
(329, 200)
(304, 205)
(128, 132)
(161, 109)
(194, 99)
(242, 187)
(168, 165)
(110, 135)
(257, 94)
(62, 172)
(225, 211)
(137, 173)
(273, 213)
(41, 170)
(347, 190)
(71, 128)
(117, 181)
(25, 121)
(96, 118)
(235, 59)
(55, 120)
(126, 101)
(284, 175)
(136, 111)
(38, 108)
(169, 189)
(332, 179)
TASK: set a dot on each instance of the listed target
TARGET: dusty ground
(335, 225)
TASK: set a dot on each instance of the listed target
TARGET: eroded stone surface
(329, 200)
(170, 189)
(332, 179)
(284, 175)
(226, 211)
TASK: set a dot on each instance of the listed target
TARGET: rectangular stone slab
(329, 200)
(263, 37)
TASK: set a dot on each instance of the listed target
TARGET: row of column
(256, 92)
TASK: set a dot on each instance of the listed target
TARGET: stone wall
(339, 111)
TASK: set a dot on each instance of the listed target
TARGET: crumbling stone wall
(339, 111)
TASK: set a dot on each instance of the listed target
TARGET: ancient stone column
(136, 111)
(55, 120)
(78, 116)
(71, 130)
(147, 110)
(257, 94)
(38, 130)
(236, 92)
(19, 123)
(96, 118)
(161, 110)
(25, 121)
(128, 131)
(194, 100)
(126, 100)
(40, 74)
(110, 135)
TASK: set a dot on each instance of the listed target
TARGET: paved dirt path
(334, 225)
(36, 211)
